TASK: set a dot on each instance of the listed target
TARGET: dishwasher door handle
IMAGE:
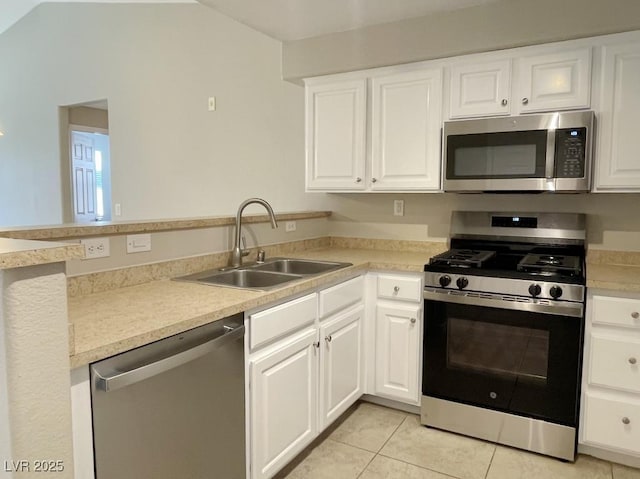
(126, 378)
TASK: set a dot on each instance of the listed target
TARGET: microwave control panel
(570, 152)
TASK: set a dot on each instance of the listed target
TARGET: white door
(558, 81)
(83, 170)
(406, 113)
(480, 89)
(283, 403)
(398, 329)
(618, 162)
(341, 365)
(336, 116)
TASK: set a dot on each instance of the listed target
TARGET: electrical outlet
(290, 226)
(212, 103)
(96, 248)
(118, 209)
(398, 207)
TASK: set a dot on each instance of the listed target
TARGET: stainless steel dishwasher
(173, 408)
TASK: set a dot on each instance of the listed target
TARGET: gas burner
(463, 258)
(537, 263)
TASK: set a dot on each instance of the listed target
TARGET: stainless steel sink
(263, 276)
(245, 278)
(299, 266)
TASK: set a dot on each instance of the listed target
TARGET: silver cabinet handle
(635, 315)
(328, 338)
(413, 320)
(373, 180)
(127, 378)
(504, 102)
(632, 360)
(525, 101)
(626, 420)
(396, 289)
(358, 179)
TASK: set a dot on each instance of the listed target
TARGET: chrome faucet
(238, 252)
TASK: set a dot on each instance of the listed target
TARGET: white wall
(613, 221)
(157, 66)
(494, 26)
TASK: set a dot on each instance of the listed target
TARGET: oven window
(498, 349)
(520, 154)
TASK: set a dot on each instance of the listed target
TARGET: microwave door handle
(550, 161)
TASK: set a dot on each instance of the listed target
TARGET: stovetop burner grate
(538, 263)
(465, 258)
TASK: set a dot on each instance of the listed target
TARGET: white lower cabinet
(341, 366)
(303, 373)
(610, 412)
(398, 337)
(283, 402)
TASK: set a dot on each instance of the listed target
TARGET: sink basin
(242, 278)
(298, 266)
(262, 276)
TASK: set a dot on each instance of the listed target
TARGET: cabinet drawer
(616, 311)
(341, 295)
(400, 287)
(615, 363)
(612, 423)
(279, 320)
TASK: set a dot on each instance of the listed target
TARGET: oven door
(521, 358)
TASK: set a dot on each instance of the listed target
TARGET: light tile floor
(374, 442)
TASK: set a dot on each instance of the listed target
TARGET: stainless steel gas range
(504, 323)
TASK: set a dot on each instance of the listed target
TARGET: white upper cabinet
(515, 83)
(336, 115)
(618, 160)
(406, 116)
(555, 81)
(480, 89)
(387, 141)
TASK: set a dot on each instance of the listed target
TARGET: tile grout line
(495, 448)
(376, 454)
(405, 462)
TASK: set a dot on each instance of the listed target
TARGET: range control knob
(445, 280)
(555, 292)
(462, 282)
(535, 290)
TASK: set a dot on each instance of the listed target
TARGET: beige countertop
(615, 270)
(111, 322)
(15, 253)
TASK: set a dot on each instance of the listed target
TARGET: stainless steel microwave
(551, 152)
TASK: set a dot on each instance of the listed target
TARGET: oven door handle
(503, 302)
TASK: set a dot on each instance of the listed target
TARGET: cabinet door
(398, 351)
(283, 403)
(557, 81)
(406, 113)
(336, 115)
(480, 89)
(341, 366)
(612, 423)
(618, 164)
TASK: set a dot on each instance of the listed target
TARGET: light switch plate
(138, 243)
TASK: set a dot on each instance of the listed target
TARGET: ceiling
(296, 19)
(286, 19)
